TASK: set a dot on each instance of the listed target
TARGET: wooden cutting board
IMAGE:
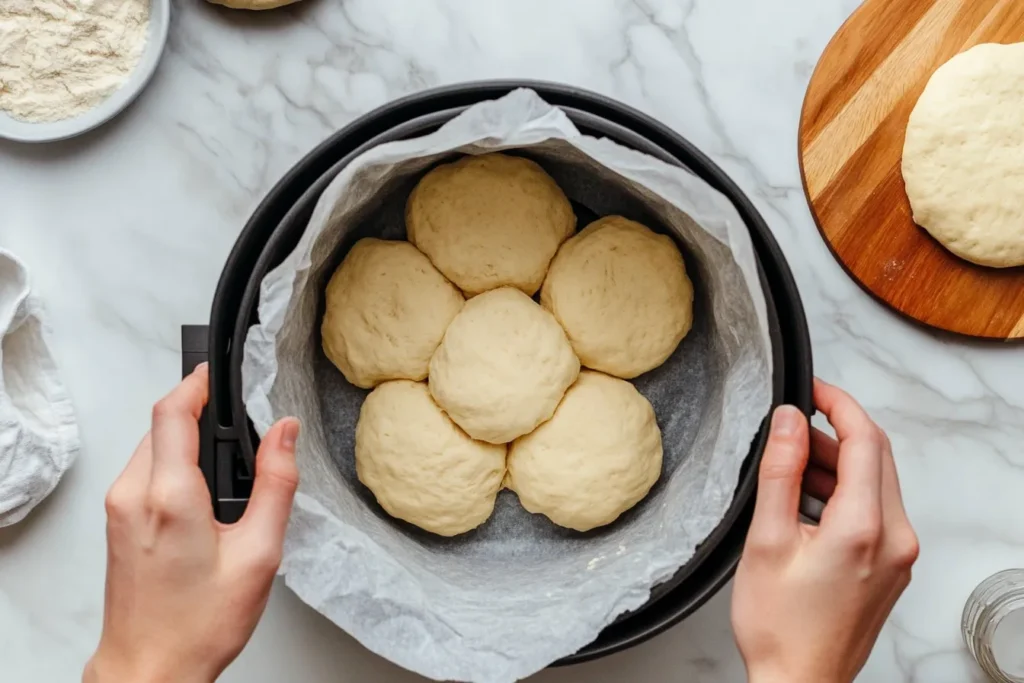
(851, 143)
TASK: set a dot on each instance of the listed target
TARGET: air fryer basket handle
(219, 459)
(811, 508)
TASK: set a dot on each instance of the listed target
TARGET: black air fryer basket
(228, 442)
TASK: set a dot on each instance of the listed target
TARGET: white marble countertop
(126, 231)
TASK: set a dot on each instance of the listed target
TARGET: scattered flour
(60, 58)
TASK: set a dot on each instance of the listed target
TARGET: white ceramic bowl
(21, 131)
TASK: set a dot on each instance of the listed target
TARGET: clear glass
(993, 626)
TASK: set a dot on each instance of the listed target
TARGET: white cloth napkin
(38, 431)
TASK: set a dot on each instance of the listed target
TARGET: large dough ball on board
(597, 457)
(387, 309)
(963, 158)
(489, 221)
(420, 466)
(621, 292)
(502, 367)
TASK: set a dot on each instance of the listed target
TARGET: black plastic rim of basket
(287, 233)
(717, 568)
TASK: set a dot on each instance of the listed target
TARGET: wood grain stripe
(870, 41)
(869, 106)
(1018, 331)
(1000, 17)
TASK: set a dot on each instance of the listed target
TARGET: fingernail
(786, 420)
(290, 434)
(202, 367)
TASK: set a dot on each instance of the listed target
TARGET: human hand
(809, 602)
(184, 592)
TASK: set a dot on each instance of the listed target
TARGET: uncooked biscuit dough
(621, 292)
(420, 466)
(502, 367)
(387, 309)
(597, 457)
(253, 4)
(963, 159)
(489, 221)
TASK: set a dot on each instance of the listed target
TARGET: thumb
(273, 489)
(776, 512)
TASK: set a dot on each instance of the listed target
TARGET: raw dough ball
(963, 159)
(502, 367)
(596, 458)
(420, 466)
(387, 309)
(621, 292)
(253, 4)
(489, 221)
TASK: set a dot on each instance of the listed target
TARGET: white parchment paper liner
(499, 604)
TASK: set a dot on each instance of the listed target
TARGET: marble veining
(126, 231)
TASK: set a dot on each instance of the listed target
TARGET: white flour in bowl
(60, 58)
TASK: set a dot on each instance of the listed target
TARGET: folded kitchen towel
(38, 431)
